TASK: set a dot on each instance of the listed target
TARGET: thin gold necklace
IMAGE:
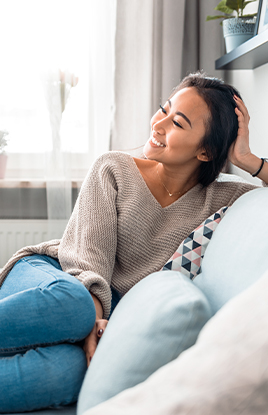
(170, 194)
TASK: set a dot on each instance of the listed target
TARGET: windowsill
(27, 198)
(32, 183)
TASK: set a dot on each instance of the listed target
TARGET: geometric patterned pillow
(188, 257)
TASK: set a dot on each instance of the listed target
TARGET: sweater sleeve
(88, 246)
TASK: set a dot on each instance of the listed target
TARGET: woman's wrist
(255, 166)
(257, 172)
(250, 163)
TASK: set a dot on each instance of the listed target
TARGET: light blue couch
(227, 364)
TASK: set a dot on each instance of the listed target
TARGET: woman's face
(177, 129)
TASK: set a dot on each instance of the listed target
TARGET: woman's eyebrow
(181, 114)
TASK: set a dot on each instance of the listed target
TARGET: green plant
(3, 140)
(228, 7)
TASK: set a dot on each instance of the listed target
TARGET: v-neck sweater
(119, 233)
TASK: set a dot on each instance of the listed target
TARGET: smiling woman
(175, 142)
(130, 217)
(190, 137)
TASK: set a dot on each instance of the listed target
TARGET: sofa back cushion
(237, 255)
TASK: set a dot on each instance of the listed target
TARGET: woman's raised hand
(92, 340)
(240, 154)
(240, 150)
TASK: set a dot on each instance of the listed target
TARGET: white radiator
(14, 234)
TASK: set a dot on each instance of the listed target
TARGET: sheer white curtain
(46, 143)
(157, 43)
(101, 25)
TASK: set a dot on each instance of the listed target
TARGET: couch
(202, 347)
(224, 371)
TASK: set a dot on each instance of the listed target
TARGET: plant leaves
(235, 4)
(222, 7)
(238, 4)
(229, 6)
(249, 15)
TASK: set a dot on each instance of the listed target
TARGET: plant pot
(3, 165)
(237, 31)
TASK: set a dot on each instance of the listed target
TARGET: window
(38, 37)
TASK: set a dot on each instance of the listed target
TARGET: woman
(129, 219)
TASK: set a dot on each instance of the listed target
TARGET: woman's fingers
(92, 340)
(243, 117)
(101, 326)
(90, 345)
(242, 108)
(240, 148)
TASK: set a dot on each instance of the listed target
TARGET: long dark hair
(222, 126)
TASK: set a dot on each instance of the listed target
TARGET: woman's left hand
(92, 340)
(240, 154)
(240, 150)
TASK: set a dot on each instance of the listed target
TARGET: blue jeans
(45, 313)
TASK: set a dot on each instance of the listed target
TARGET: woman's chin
(147, 152)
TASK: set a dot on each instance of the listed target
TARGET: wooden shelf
(249, 55)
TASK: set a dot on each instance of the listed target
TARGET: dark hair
(222, 125)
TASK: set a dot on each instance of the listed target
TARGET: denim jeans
(44, 315)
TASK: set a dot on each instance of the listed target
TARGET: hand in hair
(240, 154)
(240, 150)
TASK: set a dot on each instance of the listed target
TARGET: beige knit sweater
(118, 233)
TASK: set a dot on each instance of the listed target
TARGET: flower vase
(237, 31)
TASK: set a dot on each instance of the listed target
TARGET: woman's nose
(158, 125)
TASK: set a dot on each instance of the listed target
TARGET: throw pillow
(153, 323)
(189, 255)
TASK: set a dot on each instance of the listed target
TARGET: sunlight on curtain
(38, 39)
(148, 65)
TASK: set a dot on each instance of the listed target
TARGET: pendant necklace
(170, 194)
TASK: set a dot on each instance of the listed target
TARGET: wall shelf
(249, 55)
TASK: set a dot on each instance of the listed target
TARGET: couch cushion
(238, 252)
(153, 323)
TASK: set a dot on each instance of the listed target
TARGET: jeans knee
(75, 304)
(42, 377)
(68, 378)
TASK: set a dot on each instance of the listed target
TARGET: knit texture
(118, 233)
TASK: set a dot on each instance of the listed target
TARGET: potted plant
(237, 28)
(3, 155)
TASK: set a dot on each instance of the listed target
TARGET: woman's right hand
(92, 340)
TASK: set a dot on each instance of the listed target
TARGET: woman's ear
(203, 155)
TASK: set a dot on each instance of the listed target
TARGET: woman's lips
(155, 143)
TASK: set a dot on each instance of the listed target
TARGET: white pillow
(155, 321)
